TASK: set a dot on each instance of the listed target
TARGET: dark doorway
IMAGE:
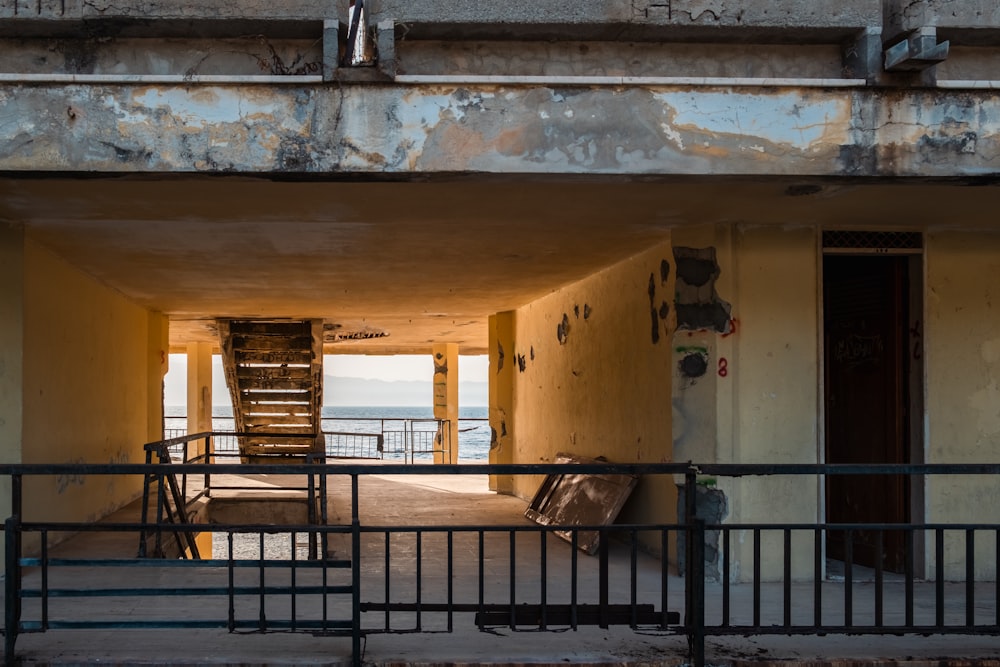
(866, 301)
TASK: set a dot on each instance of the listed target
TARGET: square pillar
(446, 399)
(199, 391)
(501, 397)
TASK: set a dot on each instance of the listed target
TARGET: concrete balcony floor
(428, 499)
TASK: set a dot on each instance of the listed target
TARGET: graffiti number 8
(723, 367)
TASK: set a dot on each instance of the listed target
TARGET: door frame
(872, 243)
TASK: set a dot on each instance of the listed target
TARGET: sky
(390, 368)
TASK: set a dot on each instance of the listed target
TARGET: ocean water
(473, 427)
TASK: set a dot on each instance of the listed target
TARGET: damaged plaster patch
(781, 120)
(711, 505)
(440, 364)
(499, 357)
(661, 313)
(562, 330)
(698, 304)
(655, 330)
(694, 363)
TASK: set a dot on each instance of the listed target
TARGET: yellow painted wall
(773, 367)
(590, 380)
(89, 374)
(962, 357)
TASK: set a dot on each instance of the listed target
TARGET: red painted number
(723, 367)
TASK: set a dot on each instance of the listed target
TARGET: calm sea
(473, 427)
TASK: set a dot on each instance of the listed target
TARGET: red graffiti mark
(733, 326)
(723, 367)
(916, 335)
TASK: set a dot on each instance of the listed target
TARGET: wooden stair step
(256, 410)
(281, 424)
(275, 383)
(264, 373)
(270, 448)
(284, 328)
(274, 357)
(268, 343)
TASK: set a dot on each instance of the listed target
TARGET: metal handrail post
(690, 572)
(12, 573)
(696, 630)
(355, 574)
(12, 592)
(311, 508)
(209, 458)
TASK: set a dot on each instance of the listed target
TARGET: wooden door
(865, 322)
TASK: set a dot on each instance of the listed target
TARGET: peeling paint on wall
(521, 364)
(499, 357)
(698, 304)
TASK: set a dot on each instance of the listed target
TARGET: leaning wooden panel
(577, 499)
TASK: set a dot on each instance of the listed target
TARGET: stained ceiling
(393, 267)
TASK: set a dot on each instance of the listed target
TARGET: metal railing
(482, 578)
(376, 438)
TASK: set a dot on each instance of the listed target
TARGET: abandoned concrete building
(718, 231)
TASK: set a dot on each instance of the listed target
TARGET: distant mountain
(344, 391)
(349, 391)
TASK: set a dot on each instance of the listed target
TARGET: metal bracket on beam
(917, 52)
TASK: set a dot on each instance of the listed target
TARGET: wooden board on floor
(570, 499)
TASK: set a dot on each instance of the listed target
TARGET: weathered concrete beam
(740, 20)
(374, 131)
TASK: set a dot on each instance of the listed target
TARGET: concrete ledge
(711, 20)
(956, 17)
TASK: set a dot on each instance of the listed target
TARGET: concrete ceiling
(422, 262)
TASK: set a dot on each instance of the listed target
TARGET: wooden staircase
(274, 369)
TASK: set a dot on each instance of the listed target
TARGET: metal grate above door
(865, 241)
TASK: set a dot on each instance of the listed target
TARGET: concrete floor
(446, 499)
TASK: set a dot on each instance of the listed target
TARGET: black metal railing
(389, 438)
(419, 577)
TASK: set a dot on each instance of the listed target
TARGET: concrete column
(199, 390)
(158, 365)
(11, 346)
(501, 388)
(446, 398)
